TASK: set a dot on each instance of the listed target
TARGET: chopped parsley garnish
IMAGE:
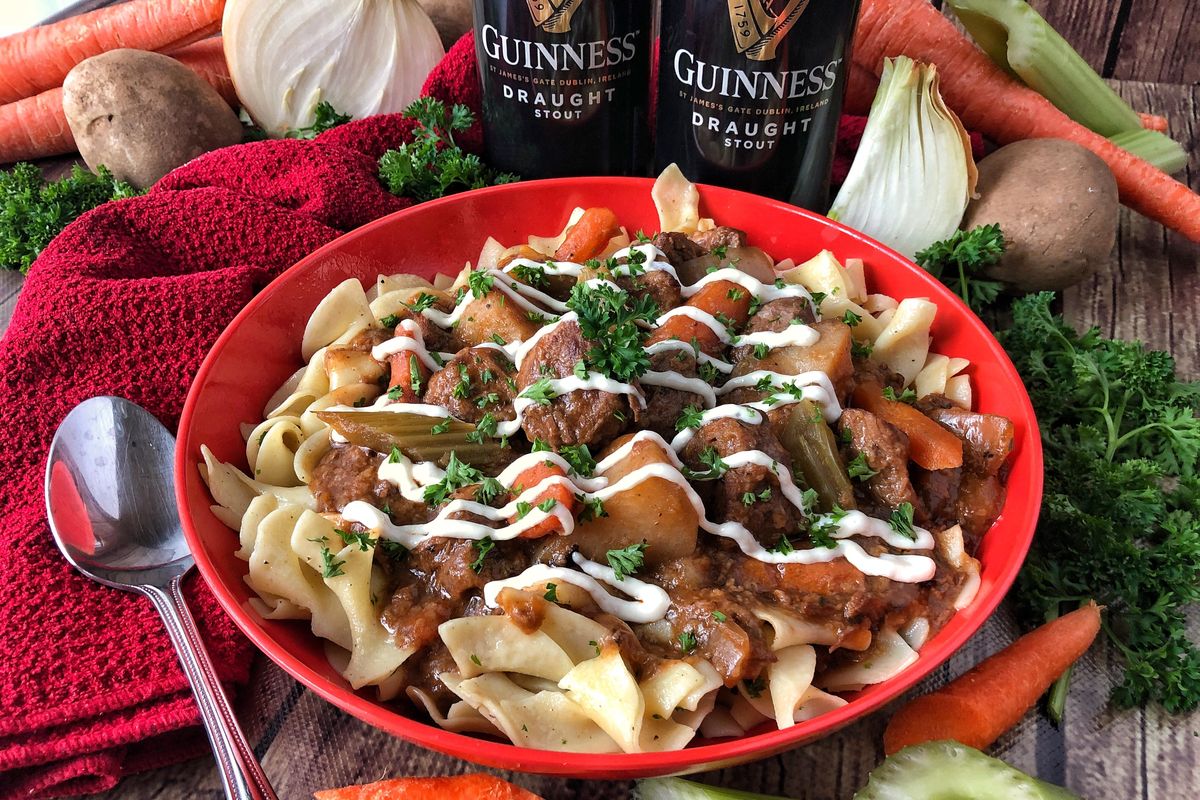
(641, 237)
(395, 393)
(711, 459)
(330, 567)
(475, 660)
(901, 521)
(580, 459)
(422, 302)
(551, 592)
(609, 318)
(719, 616)
(498, 339)
(861, 349)
(687, 642)
(480, 281)
(720, 251)
(482, 548)
(414, 376)
(820, 533)
(858, 468)
(488, 399)
(523, 509)
(735, 294)
(395, 457)
(363, 540)
(485, 428)
(627, 560)
(750, 498)
(458, 476)
(539, 446)
(817, 299)
(756, 687)
(393, 550)
(540, 392)
(851, 319)
(783, 546)
(547, 505)
(441, 427)
(906, 396)
(530, 275)
(760, 350)
(691, 417)
(391, 320)
(462, 389)
(593, 508)
(489, 490)
(708, 373)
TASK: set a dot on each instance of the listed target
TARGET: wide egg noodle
(904, 343)
(936, 376)
(788, 629)
(814, 703)
(342, 311)
(461, 717)
(397, 301)
(347, 366)
(887, 657)
(546, 245)
(234, 490)
(573, 632)
(677, 200)
(256, 512)
(720, 724)
(309, 455)
(543, 720)
(276, 569)
(669, 685)
(357, 394)
(495, 644)
(299, 391)
(271, 451)
(788, 678)
(609, 695)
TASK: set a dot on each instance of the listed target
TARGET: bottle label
(745, 103)
(574, 70)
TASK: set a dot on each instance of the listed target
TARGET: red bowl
(261, 348)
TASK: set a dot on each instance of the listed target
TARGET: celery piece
(1020, 41)
(677, 789)
(1161, 151)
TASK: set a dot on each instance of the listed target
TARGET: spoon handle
(241, 774)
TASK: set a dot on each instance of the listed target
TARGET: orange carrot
(1153, 122)
(929, 444)
(559, 493)
(36, 127)
(588, 237)
(38, 59)
(409, 376)
(724, 300)
(993, 103)
(459, 787)
(987, 701)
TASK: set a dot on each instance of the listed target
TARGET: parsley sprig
(961, 262)
(627, 560)
(432, 164)
(1120, 520)
(609, 318)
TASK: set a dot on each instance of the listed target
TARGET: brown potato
(1056, 203)
(144, 114)
(655, 511)
(750, 260)
(494, 313)
(830, 354)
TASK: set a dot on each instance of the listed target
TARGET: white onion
(363, 57)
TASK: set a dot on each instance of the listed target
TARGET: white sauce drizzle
(698, 315)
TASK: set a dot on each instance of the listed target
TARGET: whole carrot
(1005, 110)
(38, 59)
(985, 702)
(36, 127)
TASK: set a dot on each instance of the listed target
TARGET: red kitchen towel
(127, 301)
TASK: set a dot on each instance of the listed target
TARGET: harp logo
(553, 17)
(757, 30)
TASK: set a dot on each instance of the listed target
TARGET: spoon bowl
(109, 496)
(111, 506)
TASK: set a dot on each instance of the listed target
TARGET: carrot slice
(985, 702)
(409, 375)
(561, 494)
(36, 127)
(929, 444)
(724, 300)
(1003, 109)
(477, 786)
(588, 237)
(38, 59)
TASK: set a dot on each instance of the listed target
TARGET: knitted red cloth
(127, 301)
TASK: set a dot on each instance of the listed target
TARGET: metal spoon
(113, 515)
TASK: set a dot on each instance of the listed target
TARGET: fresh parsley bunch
(961, 261)
(432, 165)
(1120, 518)
(32, 211)
(618, 325)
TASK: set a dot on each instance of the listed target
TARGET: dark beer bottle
(749, 93)
(565, 85)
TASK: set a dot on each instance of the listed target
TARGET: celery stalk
(1161, 151)
(676, 789)
(1020, 41)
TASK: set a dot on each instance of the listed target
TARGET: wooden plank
(1088, 25)
(10, 286)
(1160, 41)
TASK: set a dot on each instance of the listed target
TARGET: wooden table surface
(1149, 289)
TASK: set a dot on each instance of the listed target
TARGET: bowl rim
(617, 765)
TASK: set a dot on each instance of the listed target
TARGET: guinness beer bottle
(750, 91)
(565, 85)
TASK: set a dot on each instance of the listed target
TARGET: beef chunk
(677, 247)
(987, 438)
(774, 317)
(868, 371)
(584, 416)
(767, 519)
(980, 501)
(885, 448)
(664, 404)
(476, 381)
(656, 283)
(347, 473)
(939, 492)
(722, 236)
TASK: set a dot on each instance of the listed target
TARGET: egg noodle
(703, 573)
